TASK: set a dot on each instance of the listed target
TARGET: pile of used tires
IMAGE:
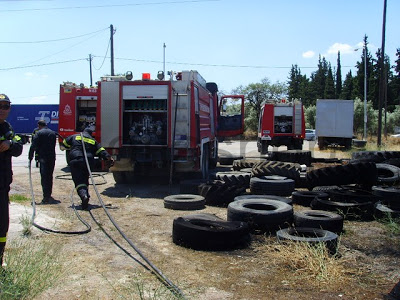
(259, 195)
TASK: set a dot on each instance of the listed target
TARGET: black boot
(84, 195)
(2, 246)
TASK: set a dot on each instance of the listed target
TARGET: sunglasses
(5, 106)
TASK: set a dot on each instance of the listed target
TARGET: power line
(225, 66)
(55, 40)
(42, 65)
(104, 6)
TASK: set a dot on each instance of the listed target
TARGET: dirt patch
(98, 266)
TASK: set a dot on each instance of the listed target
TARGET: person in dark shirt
(10, 145)
(43, 143)
(79, 171)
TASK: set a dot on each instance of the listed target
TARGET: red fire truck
(281, 123)
(152, 126)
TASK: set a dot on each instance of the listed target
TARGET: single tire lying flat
(184, 202)
(271, 186)
(309, 235)
(264, 197)
(319, 219)
(260, 214)
(304, 198)
(349, 211)
(201, 233)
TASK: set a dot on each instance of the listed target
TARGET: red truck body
(152, 126)
(281, 124)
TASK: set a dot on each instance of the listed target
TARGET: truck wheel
(264, 147)
(119, 177)
(309, 235)
(205, 161)
(302, 157)
(214, 160)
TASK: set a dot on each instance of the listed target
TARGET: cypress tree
(338, 77)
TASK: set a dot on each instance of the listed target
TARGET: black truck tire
(219, 193)
(310, 235)
(302, 157)
(268, 186)
(304, 198)
(184, 202)
(237, 178)
(390, 196)
(264, 197)
(364, 173)
(260, 214)
(349, 211)
(319, 219)
(388, 174)
(191, 186)
(288, 170)
(205, 234)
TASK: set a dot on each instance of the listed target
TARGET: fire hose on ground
(148, 264)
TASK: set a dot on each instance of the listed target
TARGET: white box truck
(334, 122)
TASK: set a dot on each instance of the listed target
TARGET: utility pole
(164, 58)
(90, 66)
(112, 48)
(365, 90)
(381, 78)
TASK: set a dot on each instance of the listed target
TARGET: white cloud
(32, 75)
(308, 54)
(343, 48)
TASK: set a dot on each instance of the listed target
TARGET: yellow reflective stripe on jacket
(66, 144)
(86, 140)
(3, 239)
(101, 149)
(16, 138)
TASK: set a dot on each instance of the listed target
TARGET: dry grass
(313, 266)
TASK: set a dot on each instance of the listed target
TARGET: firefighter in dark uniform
(10, 145)
(43, 144)
(77, 163)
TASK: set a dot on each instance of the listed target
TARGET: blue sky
(229, 42)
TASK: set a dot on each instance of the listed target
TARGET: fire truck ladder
(180, 131)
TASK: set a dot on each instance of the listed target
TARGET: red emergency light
(145, 76)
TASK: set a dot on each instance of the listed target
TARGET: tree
(256, 95)
(338, 89)
(348, 87)
(329, 91)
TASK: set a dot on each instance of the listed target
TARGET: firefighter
(77, 162)
(10, 145)
(43, 144)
